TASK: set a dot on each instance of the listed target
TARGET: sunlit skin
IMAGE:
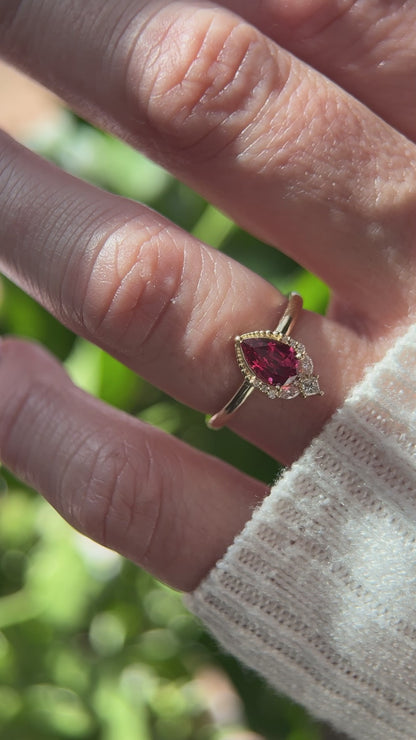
(323, 171)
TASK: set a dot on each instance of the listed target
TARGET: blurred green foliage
(90, 646)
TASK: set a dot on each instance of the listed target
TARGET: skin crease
(357, 43)
(288, 154)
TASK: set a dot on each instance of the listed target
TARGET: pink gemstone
(271, 361)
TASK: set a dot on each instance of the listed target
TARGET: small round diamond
(307, 365)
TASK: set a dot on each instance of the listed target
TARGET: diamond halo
(272, 362)
(276, 364)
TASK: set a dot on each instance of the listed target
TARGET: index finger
(367, 47)
(286, 153)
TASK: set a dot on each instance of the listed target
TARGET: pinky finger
(129, 486)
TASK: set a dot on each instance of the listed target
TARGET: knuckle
(205, 76)
(133, 280)
(122, 497)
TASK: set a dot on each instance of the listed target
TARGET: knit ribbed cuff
(318, 593)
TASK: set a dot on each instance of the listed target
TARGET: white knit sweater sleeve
(318, 593)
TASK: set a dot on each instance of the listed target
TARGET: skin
(297, 119)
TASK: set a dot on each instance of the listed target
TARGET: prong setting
(272, 362)
(300, 380)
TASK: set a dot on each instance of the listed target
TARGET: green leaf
(59, 709)
(314, 292)
(119, 717)
(213, 227)
(84, 366)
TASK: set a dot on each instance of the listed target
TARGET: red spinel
(271, 361)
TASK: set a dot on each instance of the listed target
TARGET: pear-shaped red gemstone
(271, 361)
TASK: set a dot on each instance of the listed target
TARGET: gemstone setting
(271, 361)
(276, 364)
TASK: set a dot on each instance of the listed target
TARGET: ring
(272, 362)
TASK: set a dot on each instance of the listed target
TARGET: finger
(130, 487)
(286, 153)
(367, 47)
(157, 299)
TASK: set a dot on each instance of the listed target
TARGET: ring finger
(156, 298)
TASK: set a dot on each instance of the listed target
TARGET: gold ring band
(272, 362)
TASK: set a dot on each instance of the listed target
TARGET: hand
(289, 155)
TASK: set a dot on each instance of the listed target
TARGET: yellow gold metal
(282, 331)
